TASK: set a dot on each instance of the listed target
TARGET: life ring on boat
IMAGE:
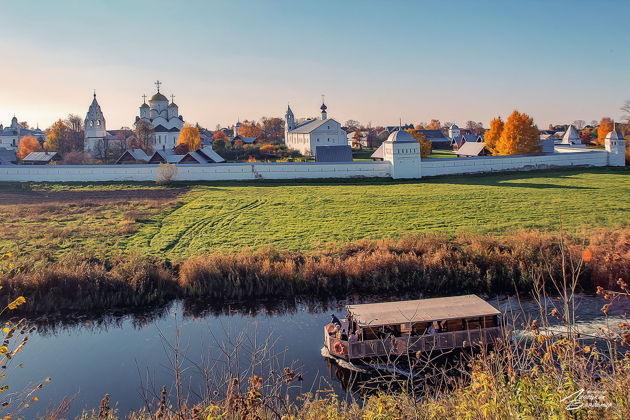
(330, 329)
(339, 348)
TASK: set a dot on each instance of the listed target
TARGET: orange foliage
(189, 136)
(27, 145)
(434, 125)
(251, 159)
(492, 135)
(219, 135)
(519, 136)
(425, 145)
(605, 126)
(250, 129)
(267, 148)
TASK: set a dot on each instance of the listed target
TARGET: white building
(571, 137)
(308, 135)
(10, 136)
(403, 151)
(615, 145)
(164, 117)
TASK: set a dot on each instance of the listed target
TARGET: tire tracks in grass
(188, 235)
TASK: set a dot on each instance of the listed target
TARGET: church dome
(614, 135)
(401, 136)
(172, 105)
(144, 105)
(323, 107)
(158, 97)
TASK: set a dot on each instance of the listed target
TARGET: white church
(310, 134)
(163, 116)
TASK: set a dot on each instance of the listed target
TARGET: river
(130, 356)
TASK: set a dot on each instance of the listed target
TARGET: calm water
(126, 354)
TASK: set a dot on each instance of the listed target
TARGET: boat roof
(421, 310)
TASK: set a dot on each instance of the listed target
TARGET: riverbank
(421, 265)
(43, 222)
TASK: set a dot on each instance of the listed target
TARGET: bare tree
(579, 124)
(626, 108)
(144, 137)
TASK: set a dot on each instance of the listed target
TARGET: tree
(579, 124)
(219, 135)
(519, 136)
(475, 127)
(143, 136)
(493, 134)
(353, 125)
(357, 136)
(27, 145)
(434, 125)
(190, 137)
(58, 138)
(626, 108)
(425, 145)
(272, 129)
(605, 126)
(586, 137)
(24, 124)
(76, 133)
(250, 129)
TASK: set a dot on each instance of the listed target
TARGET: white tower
(615, 145)
(571, 137)
(289, 123)
(323, 108)
(454, 131)
(94, 126)
(237, 127)
(403, 152)
(144, 108)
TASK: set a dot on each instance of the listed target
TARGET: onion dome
(172, 105)
(158, 97)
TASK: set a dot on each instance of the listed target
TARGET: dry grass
(429, 265)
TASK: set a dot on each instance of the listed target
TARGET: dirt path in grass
(59, 197)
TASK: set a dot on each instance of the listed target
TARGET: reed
(422, 265)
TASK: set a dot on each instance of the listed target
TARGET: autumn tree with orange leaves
(519, 136)
(425, 145)
(190, 137)
(27, 145)
(250, 129)
(605, 126)
(492, 136)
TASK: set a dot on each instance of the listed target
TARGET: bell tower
(94, 126)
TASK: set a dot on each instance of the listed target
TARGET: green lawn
(438, 154)
(304, 214)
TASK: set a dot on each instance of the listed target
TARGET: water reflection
(124, 352)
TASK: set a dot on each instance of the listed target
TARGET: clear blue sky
(375, 60)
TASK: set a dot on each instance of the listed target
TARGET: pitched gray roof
(378, 153)
(435, 135)
(137, 154)
(40, 156)
(333, 154)
(471, 149)
(210, 154)
(309, 126)
(571, 136)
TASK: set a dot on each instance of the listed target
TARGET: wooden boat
(413, 326)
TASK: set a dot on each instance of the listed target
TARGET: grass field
(188, 219)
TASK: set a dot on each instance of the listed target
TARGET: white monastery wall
(311, 170)
(193, 172)
(433, 167)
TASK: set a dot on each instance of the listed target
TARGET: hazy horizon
(375, 62)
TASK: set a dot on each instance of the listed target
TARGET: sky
(375, 60)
